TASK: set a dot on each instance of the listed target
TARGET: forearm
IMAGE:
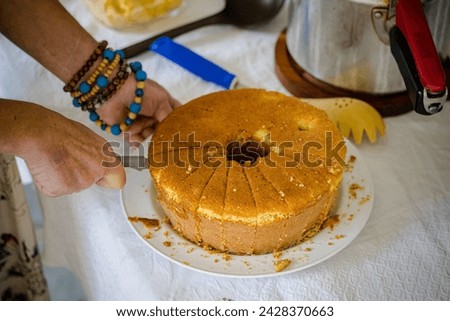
(17, 120)
(62, 155)
(48, 33)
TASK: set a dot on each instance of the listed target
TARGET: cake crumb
(148, 236)
(280, 265)
(339, 236)
(331, 221)
(147, 222)
(350, 218)
(186, 263)
(167, 243)
(216, 260)
(282, 194)
(277, 254)
(353, 189)
(166, 233)
(330, 243)
(226, 257)
(364, 200)
(190, 250)
(350, 163)
(308, 249)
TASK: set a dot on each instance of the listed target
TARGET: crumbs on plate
(277, 254)
(280, 265)
(331, 222)
(364, 200)
(352, 190)
(350, 163)
(147, 222)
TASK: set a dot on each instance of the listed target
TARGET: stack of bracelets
(91, 93)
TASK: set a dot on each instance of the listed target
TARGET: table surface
(401, 254)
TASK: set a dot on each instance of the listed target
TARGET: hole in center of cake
(246, 152)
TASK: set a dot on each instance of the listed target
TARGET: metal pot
(348, 44)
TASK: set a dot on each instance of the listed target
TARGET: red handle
(411, 20)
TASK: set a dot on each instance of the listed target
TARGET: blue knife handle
(193, 62)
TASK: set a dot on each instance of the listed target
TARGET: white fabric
(402, 253)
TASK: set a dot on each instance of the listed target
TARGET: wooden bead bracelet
(98, 88)
(134, 108)
(72, 83)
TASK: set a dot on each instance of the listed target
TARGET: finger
(174, 103)
(147, 132)
(140, 123)
(136, 140)
(114, 178)
(163, 111)
(113, 172)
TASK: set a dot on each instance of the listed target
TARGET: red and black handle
(416, 55)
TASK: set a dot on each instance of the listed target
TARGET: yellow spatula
(353, 117)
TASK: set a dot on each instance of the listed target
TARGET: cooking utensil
(236, 12)
(135, 162)
(348, 44)
(352, 116)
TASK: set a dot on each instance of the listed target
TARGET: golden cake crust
(247, 208)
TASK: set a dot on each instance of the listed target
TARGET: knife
(135, 162)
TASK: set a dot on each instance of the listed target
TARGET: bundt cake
(247, 171)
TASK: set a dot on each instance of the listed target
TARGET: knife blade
(135, 162)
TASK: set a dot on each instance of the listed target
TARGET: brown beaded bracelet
(115, 84)
(84, 97)
(71, 84)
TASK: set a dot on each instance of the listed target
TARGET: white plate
(139, 200)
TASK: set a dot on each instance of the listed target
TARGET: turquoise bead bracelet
(98, 88)
(98, 80)
(134, 108)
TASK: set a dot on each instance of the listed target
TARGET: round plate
(353, 208)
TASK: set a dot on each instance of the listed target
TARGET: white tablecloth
(401, 254)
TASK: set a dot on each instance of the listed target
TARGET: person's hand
(157, 103)
(66, 157)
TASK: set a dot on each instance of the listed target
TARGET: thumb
(113, 171)
(113, 178)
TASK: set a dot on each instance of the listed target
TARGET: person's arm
(48, 33)
(62, 155)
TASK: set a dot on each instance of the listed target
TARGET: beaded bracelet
(110, 90)
(134, 108)
(98, 88)
(86, 91)
(70, 85)
(92, 78)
